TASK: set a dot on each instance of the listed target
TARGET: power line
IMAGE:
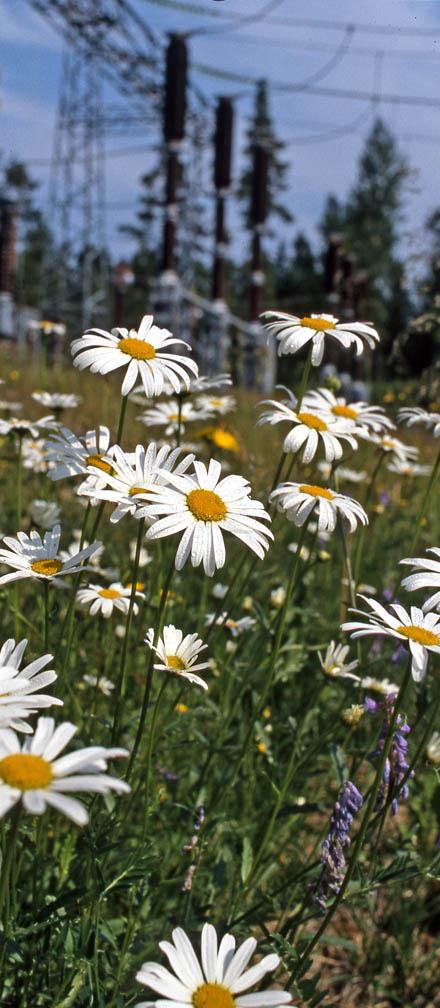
(314, 23)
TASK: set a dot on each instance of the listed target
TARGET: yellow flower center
(139, 349)
(387, 443)
(213, 995)
(46, 567)
(174, 662)
(109, 593)
(97, 461)
(421, 636)
(25, 771)
(345, 411)
(316, 491)
(223, 439)
(206, 505)
(319, 324)
(134, 490)
(310, 420)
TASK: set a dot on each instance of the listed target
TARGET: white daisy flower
(293, 332)
(218, 982)
(298, 500)
(400, 452)
(134, 476)
(57, 400)
(409, 469)
(277, 597)
(219, 590)
(383, 686)
(33, 773)
(144, 352)
(106, 600)
(355, 414)
(433, 749)
(99, 682)
(334, 663)
(167, 413)
(44, 513)
(178, 654)
(428, 576)
(19, 696)
(25, 428)
(33, 557)
(415, 415)
(304, 551)
(216, 404)
(33, 455)
(71, 455)
(203, 506)
(343, 472)
(144, 556)
(204, 383)
(420, 630)
(10, 407)
(236, 627)
(309, 428)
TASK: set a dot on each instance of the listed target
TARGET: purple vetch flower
(399, 655)
(338, 838)
(396, 764)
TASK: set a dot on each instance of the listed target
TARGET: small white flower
(236, 627)
(356, 415)
(106, 600)
(414, 415)
(167, 414)
(203, 506)
(293, 332)
(35, 775)
(299, 500)
(420, 630)
(33, 557)
(57, 400)
(278, 597)
(178, 654)
(204, 383)
(427, 575)
(134, 477)
(215, 403)
(343, 473)
(19, 696)
(25, 428)
(143, 352)
(363, 589)
(400, 452)
(409, 469)
(10, 407)
(304, 551)
(218, 982)
(99, 682)
(44, 513)
(433, 749)
(382, 686)
(334, 663)
(219, 590)
(309, 428)
(71, 455)
(33, 455)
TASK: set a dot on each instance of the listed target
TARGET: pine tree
(262, 131)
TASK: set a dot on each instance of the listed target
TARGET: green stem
(275, 651)
(150, 746)
(120, 692)
(8, 860)
(121, 420)
(46, 616)
(179, 421)
(364, 825)
(18, 497)
(146, 699)
(368, 496)
(304, 379)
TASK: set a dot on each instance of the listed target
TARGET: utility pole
(259, 359)
(215, 342)
(167, 293)
(333, 270)
(8, 231)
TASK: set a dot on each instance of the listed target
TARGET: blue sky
(393, 49)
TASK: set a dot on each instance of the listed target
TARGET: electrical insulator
(223, 143)
(175, 89)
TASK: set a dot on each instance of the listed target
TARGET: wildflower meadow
(219, 680)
